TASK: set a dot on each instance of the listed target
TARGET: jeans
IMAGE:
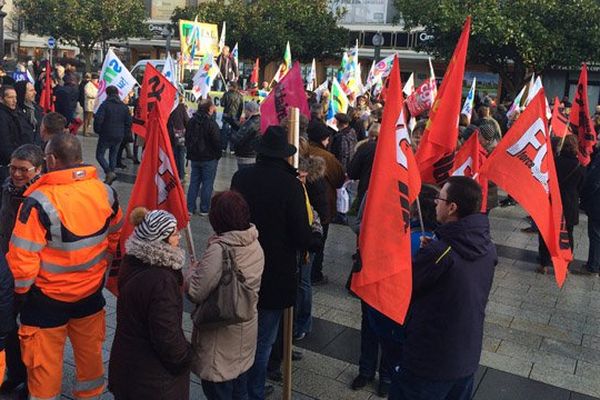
(235, 389)
(242, 166)
(203, 173)
(593, 263)
(268, 325)
(179, 154)
(369, 351)
(303, 311)
(317, 266)
(113, 149)
(407, 386)
(225, 135)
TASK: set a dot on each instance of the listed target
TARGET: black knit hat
(317, 132)
(274, 143)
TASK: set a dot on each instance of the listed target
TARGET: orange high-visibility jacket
(66, 232)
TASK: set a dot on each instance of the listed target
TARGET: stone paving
(541, 342)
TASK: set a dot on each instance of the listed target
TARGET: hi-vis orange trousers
(42, 350)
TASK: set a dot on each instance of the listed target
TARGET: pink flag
(287, 93)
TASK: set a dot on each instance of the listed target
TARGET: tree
(511, 37)
(84, 23)
(262, 27)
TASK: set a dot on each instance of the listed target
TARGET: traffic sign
(51, 42)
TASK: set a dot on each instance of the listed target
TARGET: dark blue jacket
(112, 120)
(65, 101)
(452, 278)
(7, 287)
(590, 193)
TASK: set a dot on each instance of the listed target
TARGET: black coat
(150, 356)
(66, 98)
(361, 165)
(31, 132)
(570, 180)
(452, 278)
(7, 287)
(112, 122)
(233, 104)
(278, 209)
(11, 137)
(11, 201)
(202, 138)
(590, 193)
(246, 138)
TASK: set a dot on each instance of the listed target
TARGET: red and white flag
(580, 119)
(435, 154)
(523, 165)
(559, 122)
(468, 162)
(385, 280)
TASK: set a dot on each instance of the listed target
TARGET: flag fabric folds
(114, 73)
(516, 105)
(205, 76)
(222, 37)
(580, 119)
(385, 280)
(435, 154)
(47, 97)
(287, 93)
(338, 102)
(469, 101)
(156, 93)
(559, 122)
(468, 162)
(311, 79)
(255, 70)
(523, 165)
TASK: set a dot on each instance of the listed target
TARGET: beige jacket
(224, 353)
(91, 92)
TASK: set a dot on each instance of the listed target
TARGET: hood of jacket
(469, 236)
(157, 253)
(237, 238)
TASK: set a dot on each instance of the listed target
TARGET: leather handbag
(232, 301)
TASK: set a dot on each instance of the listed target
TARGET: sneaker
(202, 214)
(110, 178)
(299, 336)
(297, 355)
(542, 270)
(275, 376)
(360, 382)
(583, 270)
(383, 389)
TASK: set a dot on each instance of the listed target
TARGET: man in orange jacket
(66, 233)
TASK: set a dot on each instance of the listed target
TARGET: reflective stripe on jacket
(66, 232)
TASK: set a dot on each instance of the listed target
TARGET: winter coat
(224, 353)
(112, 121)
(361, 165)
(570, 181)
(7, 288)
(11, 137)
(90, 92)
(452, 278)
(150, 357)
(81, 98)
(278, 209)
(334, 174)
(202, 138)
(233, 104)
(342, 146)
(65, 102)
(590, 193)
(228, 67)
(12, 198)
(176, 124)
(316, 187)
(30, 120)
(245, 139)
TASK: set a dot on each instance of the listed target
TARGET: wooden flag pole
(288, 313)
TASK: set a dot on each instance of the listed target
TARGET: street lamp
(167, 33)
(377, 42)
(2, 15)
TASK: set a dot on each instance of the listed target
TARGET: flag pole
(420, 216)
(562, 139)
(190, 242)
(288, 313)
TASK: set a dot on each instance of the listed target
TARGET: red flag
(580, 119)
(156, 92)
(559, 122)
(385, 280)
(523, 165)
(254, 76)
(421, 99)
(469, 159)
(435, 154)
(289, 92)
(46, 97)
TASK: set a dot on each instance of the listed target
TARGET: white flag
(469, 101)
(205, 76)
(321, 89)
(409, 86)
(222, 38)
(433, 82)
(534, 88)
(114, 73)
(170, 72)
(312, 76)
(516, 104)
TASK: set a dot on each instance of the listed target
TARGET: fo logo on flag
(533, 156)
(164, 178)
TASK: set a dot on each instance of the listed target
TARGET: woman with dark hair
(223, 354)
(29, 112)
(570, 181)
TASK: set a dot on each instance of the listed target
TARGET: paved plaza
(541, 342)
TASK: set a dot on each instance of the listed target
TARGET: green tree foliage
(84, 23)
(511, 37)
(262, 27)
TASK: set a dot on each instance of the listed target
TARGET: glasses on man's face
(20, 170)
(442, 199)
